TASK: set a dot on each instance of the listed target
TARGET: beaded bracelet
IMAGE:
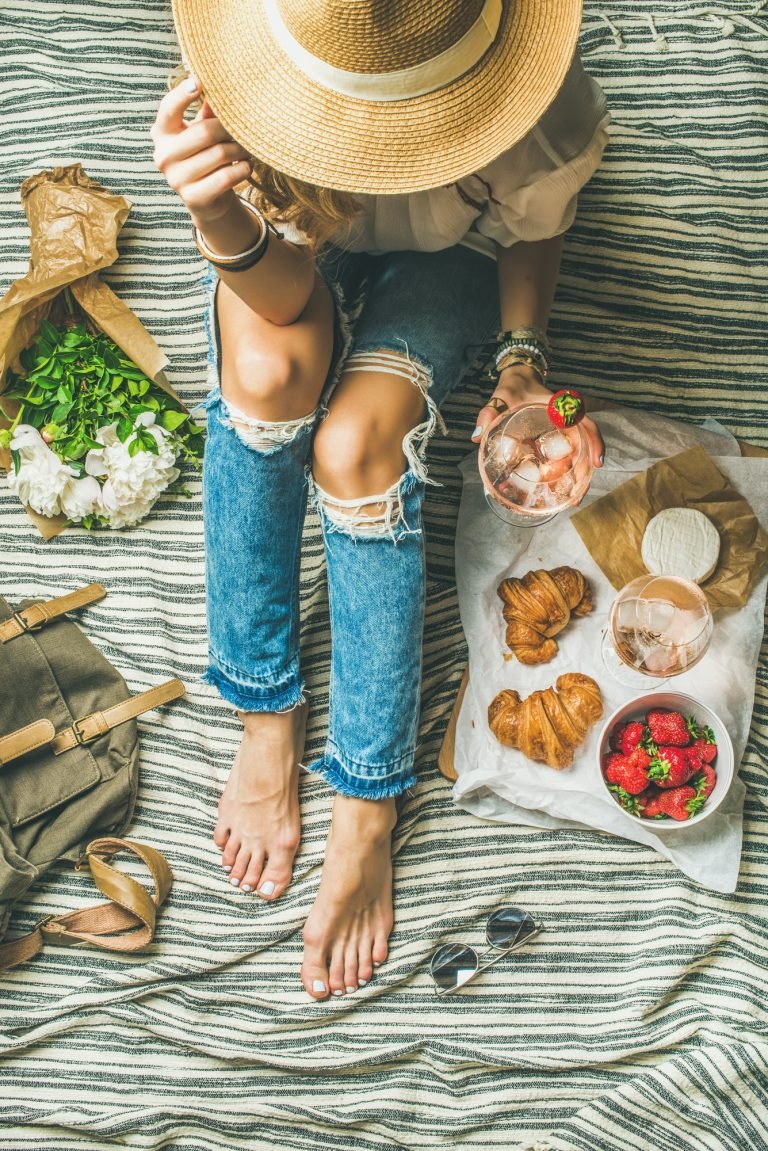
(241, 261)
(529, 343)
(514, 358)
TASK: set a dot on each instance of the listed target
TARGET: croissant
(538, 606)
(550, 724)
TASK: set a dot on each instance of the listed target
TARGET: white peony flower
(42, 476)
(81, 498)
(132, 483)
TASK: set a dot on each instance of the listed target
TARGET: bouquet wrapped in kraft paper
(91, 431)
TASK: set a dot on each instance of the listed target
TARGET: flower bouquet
(94, 439)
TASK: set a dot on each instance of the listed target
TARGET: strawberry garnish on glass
(566, 408)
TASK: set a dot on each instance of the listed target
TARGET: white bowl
(705, 717)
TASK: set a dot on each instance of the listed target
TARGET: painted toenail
(338, 993)
(318, 985)
(227, 866)
(267, 888)
(363, 982)
(375, 964)
(350, 990)
(235, 882)
(246, 887)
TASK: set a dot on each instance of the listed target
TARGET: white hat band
(401, 85)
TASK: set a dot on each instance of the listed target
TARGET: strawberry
(616, 737)
(704, 780)
(566, 408)
(681, 802)
(629, 773)
(634, 804)
(631, 735)
(706, 748)
(671, 767)
(668, 727)
(612, 758)
(651, 807)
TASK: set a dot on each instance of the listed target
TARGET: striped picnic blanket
(637, 1020)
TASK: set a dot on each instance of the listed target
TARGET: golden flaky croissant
(538, 606)
(549, 724)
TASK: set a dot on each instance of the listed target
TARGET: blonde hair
(318, 213)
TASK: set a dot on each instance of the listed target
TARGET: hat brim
(314, 134)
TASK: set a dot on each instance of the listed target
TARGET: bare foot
(259, 823)
(346, 933)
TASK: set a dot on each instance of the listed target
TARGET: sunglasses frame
(481, 965)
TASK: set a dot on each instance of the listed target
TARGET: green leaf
(134, 448)
(170, 420)
(124, 429)
(49, 332)
(116, 382)
(64, 395)
(44, 349)
(60, 413)
(16, 458)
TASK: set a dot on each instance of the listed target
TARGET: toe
(364, 962)
(230, 852)
(221, 834)
(253, 872)
(240, 866)
(314, 969)
(350, 968)
(336, 971)
(277, 874)
(380, 949)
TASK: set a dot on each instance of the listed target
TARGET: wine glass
(531, 469)
(659, 626)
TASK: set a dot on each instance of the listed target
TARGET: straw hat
(378, 96)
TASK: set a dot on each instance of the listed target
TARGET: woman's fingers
(181, 175)
(506, 397)
(170, 112)
(596, 445)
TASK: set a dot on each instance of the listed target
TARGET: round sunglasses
(454, 964)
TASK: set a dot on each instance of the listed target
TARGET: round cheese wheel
(681, 542)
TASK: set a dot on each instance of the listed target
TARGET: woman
(398, 145)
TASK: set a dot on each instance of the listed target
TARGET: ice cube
(528, 469)
(626, 614)
(553, 446)
(510, 448)
(552, 470)
(655, 614)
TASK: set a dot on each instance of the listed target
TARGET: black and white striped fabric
(638, 1018)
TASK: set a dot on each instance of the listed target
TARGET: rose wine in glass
(530, 469)
(659, 626)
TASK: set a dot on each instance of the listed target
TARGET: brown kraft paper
(612, 527)
(74, 223)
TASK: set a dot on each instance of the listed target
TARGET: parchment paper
(499, 783)
(689, 479)
(74, 223)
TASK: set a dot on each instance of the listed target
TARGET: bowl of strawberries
(666, 760)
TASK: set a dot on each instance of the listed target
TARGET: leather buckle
(19, 618)
(80, 736)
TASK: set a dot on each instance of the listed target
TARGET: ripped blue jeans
(418, 314)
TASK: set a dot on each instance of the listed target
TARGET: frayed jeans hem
(359, 787)
(255, 699)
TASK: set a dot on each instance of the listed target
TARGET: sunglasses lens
(452, 965)
(509, 925)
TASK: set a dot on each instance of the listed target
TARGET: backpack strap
(125, 923)
(99, 722)
(38, 614)
(25, 739)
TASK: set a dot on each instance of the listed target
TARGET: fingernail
(190, 84)
(338, 993)
(477, 432)
(235, 882)
(375, 964)
(267, 887)
(318, 985)
(246, 887)
(602, 457)
(363, 982)
(350, 990)
(227, 866)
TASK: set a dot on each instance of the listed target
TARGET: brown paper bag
(74, 223)
(612, 527)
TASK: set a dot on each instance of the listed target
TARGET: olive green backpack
(69, 766)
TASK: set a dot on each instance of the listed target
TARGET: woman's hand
(519, 384)
(199, 158)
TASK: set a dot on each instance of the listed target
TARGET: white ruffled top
(528, 193)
